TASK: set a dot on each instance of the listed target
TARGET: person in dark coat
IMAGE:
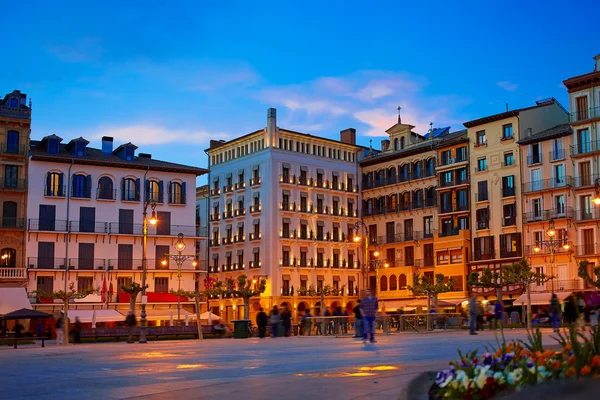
(77, 330)
(555, 312)
(570, 314)
(261, 322)
(131, 323)
(286, 321)
(274, 319)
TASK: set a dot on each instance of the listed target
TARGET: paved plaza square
(290, 368)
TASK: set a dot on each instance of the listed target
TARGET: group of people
(329, 323)
(274, 319)
(493, 313)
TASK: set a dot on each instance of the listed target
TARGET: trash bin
(240, 328)
(296, 326)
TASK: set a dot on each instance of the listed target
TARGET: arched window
(402, 281)
(176, 193)
(54, 184)
(9, 214)
(154, 191)
(380, 203)
(8, 258)
(402, 142)
(417, 169)
(393, 283)
(379, 178)
(431, 196)
(393, 202)
(403, 173)
(383, 283)
(418, 198)
(391, 175)
(81, 186)
(406, 200)
(396, 144)
(430, 167)
(105, 189)
(130, 190)
(370, 206)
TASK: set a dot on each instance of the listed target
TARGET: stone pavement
(290, 368)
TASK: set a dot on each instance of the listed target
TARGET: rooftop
(554, 132)
(508, 114)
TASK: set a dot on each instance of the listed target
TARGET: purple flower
(530, 364)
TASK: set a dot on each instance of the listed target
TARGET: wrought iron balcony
(546, 184)
(584, 114)
(583, 148)
(13, 184)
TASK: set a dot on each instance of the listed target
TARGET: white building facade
(85, 220)
(283, 207)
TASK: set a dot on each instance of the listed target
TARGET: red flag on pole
(103, 293)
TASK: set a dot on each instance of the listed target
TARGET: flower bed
(518, 364)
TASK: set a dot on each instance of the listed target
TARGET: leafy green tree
(424, 285)
(585, 275)
(245, 288)
(520, 273)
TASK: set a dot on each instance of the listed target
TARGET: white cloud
(83, 50)
(146, 134)
(507, 85)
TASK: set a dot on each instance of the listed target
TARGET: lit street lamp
(179, 259)
(552, 245)
(153, 220)
(378, 263)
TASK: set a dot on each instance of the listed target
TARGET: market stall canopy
(86, 316)
(204, 316)
(540, 299)
(12, 299)
(26, 313)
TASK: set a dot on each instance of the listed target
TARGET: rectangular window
(510, 214)
(12, 142)
(461, 154)
(85, 283)
(442, 257)
(508, 186)
(510, 245)
(507, 132)
(559, 176)
(161, 285)
(536, 154)
(481, 164)
(428, 227)
(428, 255)
(509, 159)
(409, 256)
(160, 256)
(11, 175)
(45, 255)
(482, 191)
(456, 256)
(87, 219)
(581, 104)
(45, 284)
(481, 138)
(126, 221)
(125, 256)
(483, 218)
(86, 256)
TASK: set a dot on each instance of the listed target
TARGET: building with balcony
(584, 118)
(202, 222)
(85, 221)
(497, 182)
(282, 205)
(15, 129)
(452, 242)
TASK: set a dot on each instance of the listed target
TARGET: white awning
(540, 299)
(86, 316)
(164, 314)
(90, 298)
(12, 299)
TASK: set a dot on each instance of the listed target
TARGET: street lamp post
(357, 239)
(378, 263)
(179, 259)
(552, 245)
(153, 221)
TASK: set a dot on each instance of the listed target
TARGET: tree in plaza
(246, 289)
(520, 273)
(212, 287)
(66, 297)
(425, 285)
(133, 289)
(325, 291)
(489, 279)
(584, 274)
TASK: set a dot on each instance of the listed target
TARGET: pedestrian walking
(357, 321)
(77, 330)
(473, 314)
(60, 331)
(479, 316)
(345, 322)
(570, 310)
(498, 311)
(275, 318)
(368, 309)
(286, 321)
(327, 322)
(261, 322)
(307, 322)
(555, 312)
(131, 323)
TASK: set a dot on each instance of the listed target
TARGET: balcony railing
(227, 214)
(586, 215)
(585, 148)
(81, 192)
(546, 184)
(402, 237)
(509, 220)
(87, 263)
(305, 181)
(254, 264)
(401, 207)
(12, 184)
(215, 216)
(393, 180)
(12, 223)
(488, 254)
(287, 206)
(255, 236)
(18, 150)
(557, 154)
(533, 159)
(559, 285)
(587, 249)
(351, 188)
(584, 115)
(545, 250)
(49, 225)
(454, 182)
(55, 191)
(240, 211)
(505, 253)
(450, 160)
(213, 242)
(546, 215)
(15, 112)
(228, 188)
(255, 181)
(240, 185)
(255, 208)
(483, 224)
(287, 179)
(13, 273)
(215, 191)
(586, 180)
(455, 207)
(106, 194)
(116, 228)
(483, 196)
(88, 227)
(46, 263)
(227, 240)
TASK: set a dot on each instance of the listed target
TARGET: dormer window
(129, 151)
(53, 146)
(402, 142)
(80, 147)
(14, 102)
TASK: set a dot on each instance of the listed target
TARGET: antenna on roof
(399, 116)
(506, 107)
(370, 147)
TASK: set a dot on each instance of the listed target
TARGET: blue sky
(165, 75)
